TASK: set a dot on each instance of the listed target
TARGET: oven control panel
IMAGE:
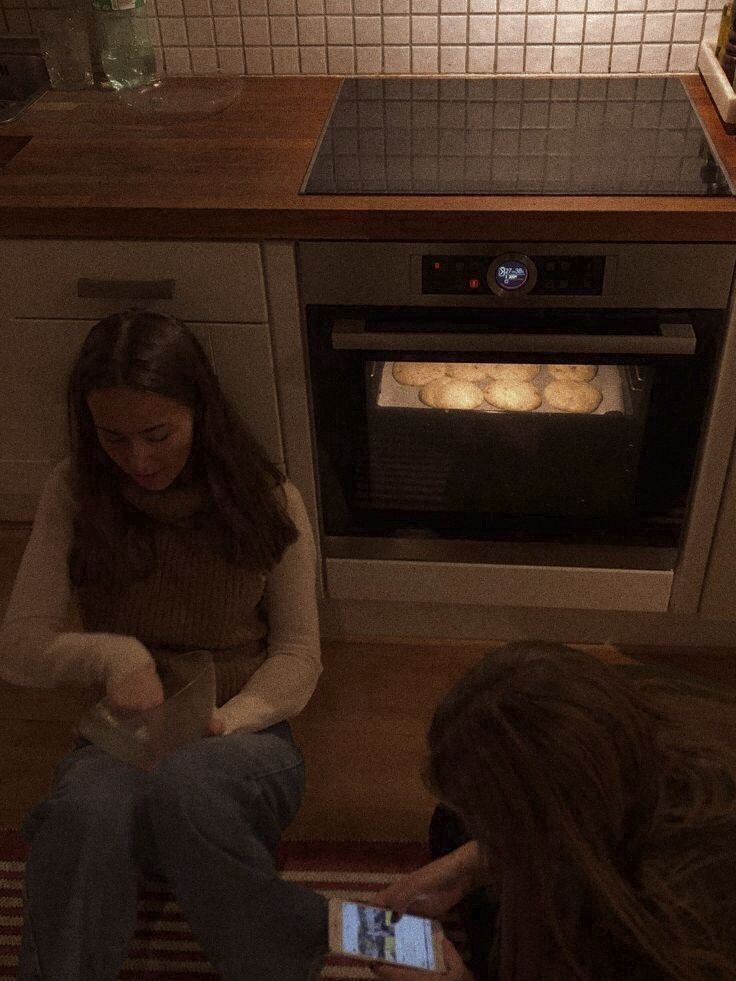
(511, 273)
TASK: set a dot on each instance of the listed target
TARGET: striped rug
(164, 949)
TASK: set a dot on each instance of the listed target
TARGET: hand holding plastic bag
(142, 738)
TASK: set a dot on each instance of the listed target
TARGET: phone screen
(368, 932)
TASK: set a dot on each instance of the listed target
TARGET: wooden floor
(362, 734)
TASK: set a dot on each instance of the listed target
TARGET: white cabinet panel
(193, 280)
(719, 592)
(241, 357)
(36, 359)
(540, 587)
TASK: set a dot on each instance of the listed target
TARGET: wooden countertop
(90, 170)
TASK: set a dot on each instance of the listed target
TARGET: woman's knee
(92, 793)
(227, 777)
(175, 785)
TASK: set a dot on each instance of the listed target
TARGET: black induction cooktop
(634, 135)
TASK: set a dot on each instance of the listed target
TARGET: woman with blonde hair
(589, 826)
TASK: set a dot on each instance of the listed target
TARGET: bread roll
(513, 372)
(512, 396)
(467, 372)
(447, 393)
(417, 372)
(573, 396)
(573, 372)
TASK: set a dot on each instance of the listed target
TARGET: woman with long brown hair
(588, 826)
(171, 531)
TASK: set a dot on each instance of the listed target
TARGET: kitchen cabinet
(55, 291)
(718, 600)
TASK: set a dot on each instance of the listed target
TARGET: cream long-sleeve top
(38, 649)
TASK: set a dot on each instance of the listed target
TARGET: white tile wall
(420, 37)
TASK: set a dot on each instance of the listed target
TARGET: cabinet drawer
(193, 280)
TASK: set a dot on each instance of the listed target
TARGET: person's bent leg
(80, 891)
(478, 911)
(218, 809)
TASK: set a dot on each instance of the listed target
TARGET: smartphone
(369, 933)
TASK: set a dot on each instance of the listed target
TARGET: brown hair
(605, 802)
(153, 352)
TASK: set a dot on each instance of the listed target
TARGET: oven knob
(512, 273)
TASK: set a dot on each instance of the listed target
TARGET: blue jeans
(207, 819)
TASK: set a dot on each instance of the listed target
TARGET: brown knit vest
(194, 598)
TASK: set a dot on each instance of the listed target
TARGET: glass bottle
(124, 41)
(723, 29)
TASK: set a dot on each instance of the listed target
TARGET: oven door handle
(672, 339)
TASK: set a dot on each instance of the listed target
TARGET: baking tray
(608, 380)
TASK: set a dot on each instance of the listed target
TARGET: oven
(580, 460)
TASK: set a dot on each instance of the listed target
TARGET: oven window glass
(515, 448)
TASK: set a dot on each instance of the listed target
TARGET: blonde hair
(605, 801)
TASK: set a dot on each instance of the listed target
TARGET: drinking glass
(65, 45)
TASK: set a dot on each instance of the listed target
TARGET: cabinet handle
(125, 289)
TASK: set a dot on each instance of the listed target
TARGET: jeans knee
(92, 794)
(81, 819)
(215, 794)
(176, 788)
